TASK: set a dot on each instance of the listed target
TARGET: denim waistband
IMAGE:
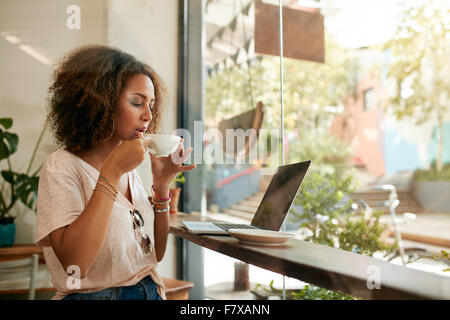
(146, 289)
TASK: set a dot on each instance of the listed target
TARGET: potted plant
(23, 187)
(432, 187)
(176, 192)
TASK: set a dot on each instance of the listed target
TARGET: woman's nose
(147, 115)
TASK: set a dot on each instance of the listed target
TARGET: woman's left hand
(165, 169)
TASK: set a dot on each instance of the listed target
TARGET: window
(320, 97)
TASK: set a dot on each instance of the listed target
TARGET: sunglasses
(144, 239)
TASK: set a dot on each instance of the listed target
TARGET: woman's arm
(80, 242)
(161, 225)
(164, 170)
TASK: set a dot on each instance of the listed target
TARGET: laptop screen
(279, 196)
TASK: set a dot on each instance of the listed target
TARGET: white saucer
(261, 244)
(260, 237)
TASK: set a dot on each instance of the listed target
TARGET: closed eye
(141, 104)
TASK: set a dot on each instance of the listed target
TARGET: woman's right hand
(125, 157)
(80, 242)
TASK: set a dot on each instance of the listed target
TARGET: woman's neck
(97, 156)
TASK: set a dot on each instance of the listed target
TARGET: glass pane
(368, 120)
(366, 117)
(242, 96)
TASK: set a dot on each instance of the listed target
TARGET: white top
(66, 184)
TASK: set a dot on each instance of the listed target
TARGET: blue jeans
(143, 290)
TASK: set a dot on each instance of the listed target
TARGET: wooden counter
(324, 266)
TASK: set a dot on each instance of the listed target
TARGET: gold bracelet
(108, 194)
(160, 203)
(109, 183)
(108, 188)
(155, 207)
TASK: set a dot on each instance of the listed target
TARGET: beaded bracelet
(162, 210)
(160, 206)
(159, 197)
(159, 203)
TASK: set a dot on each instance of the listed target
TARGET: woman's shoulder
(60, 160)
(59, 170)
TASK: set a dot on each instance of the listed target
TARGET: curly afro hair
(83, 98)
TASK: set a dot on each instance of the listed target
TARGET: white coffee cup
(162, 145)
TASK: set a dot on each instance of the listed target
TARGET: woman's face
(135, 108)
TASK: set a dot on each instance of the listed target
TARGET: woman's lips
(140, 131)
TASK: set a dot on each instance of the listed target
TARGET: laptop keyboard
(226, 226)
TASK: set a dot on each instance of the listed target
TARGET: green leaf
(8, 144)
(6, 123)
(8, 176)
(4, 151)
(13, 140)
(180, 178)
(27, 188)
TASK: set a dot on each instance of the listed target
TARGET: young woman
(101, 235)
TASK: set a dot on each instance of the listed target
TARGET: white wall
(145, 28)
(24, 80)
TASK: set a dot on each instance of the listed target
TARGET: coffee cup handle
(150, 150)
(153, 152)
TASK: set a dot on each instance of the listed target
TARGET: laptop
(274, 206)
